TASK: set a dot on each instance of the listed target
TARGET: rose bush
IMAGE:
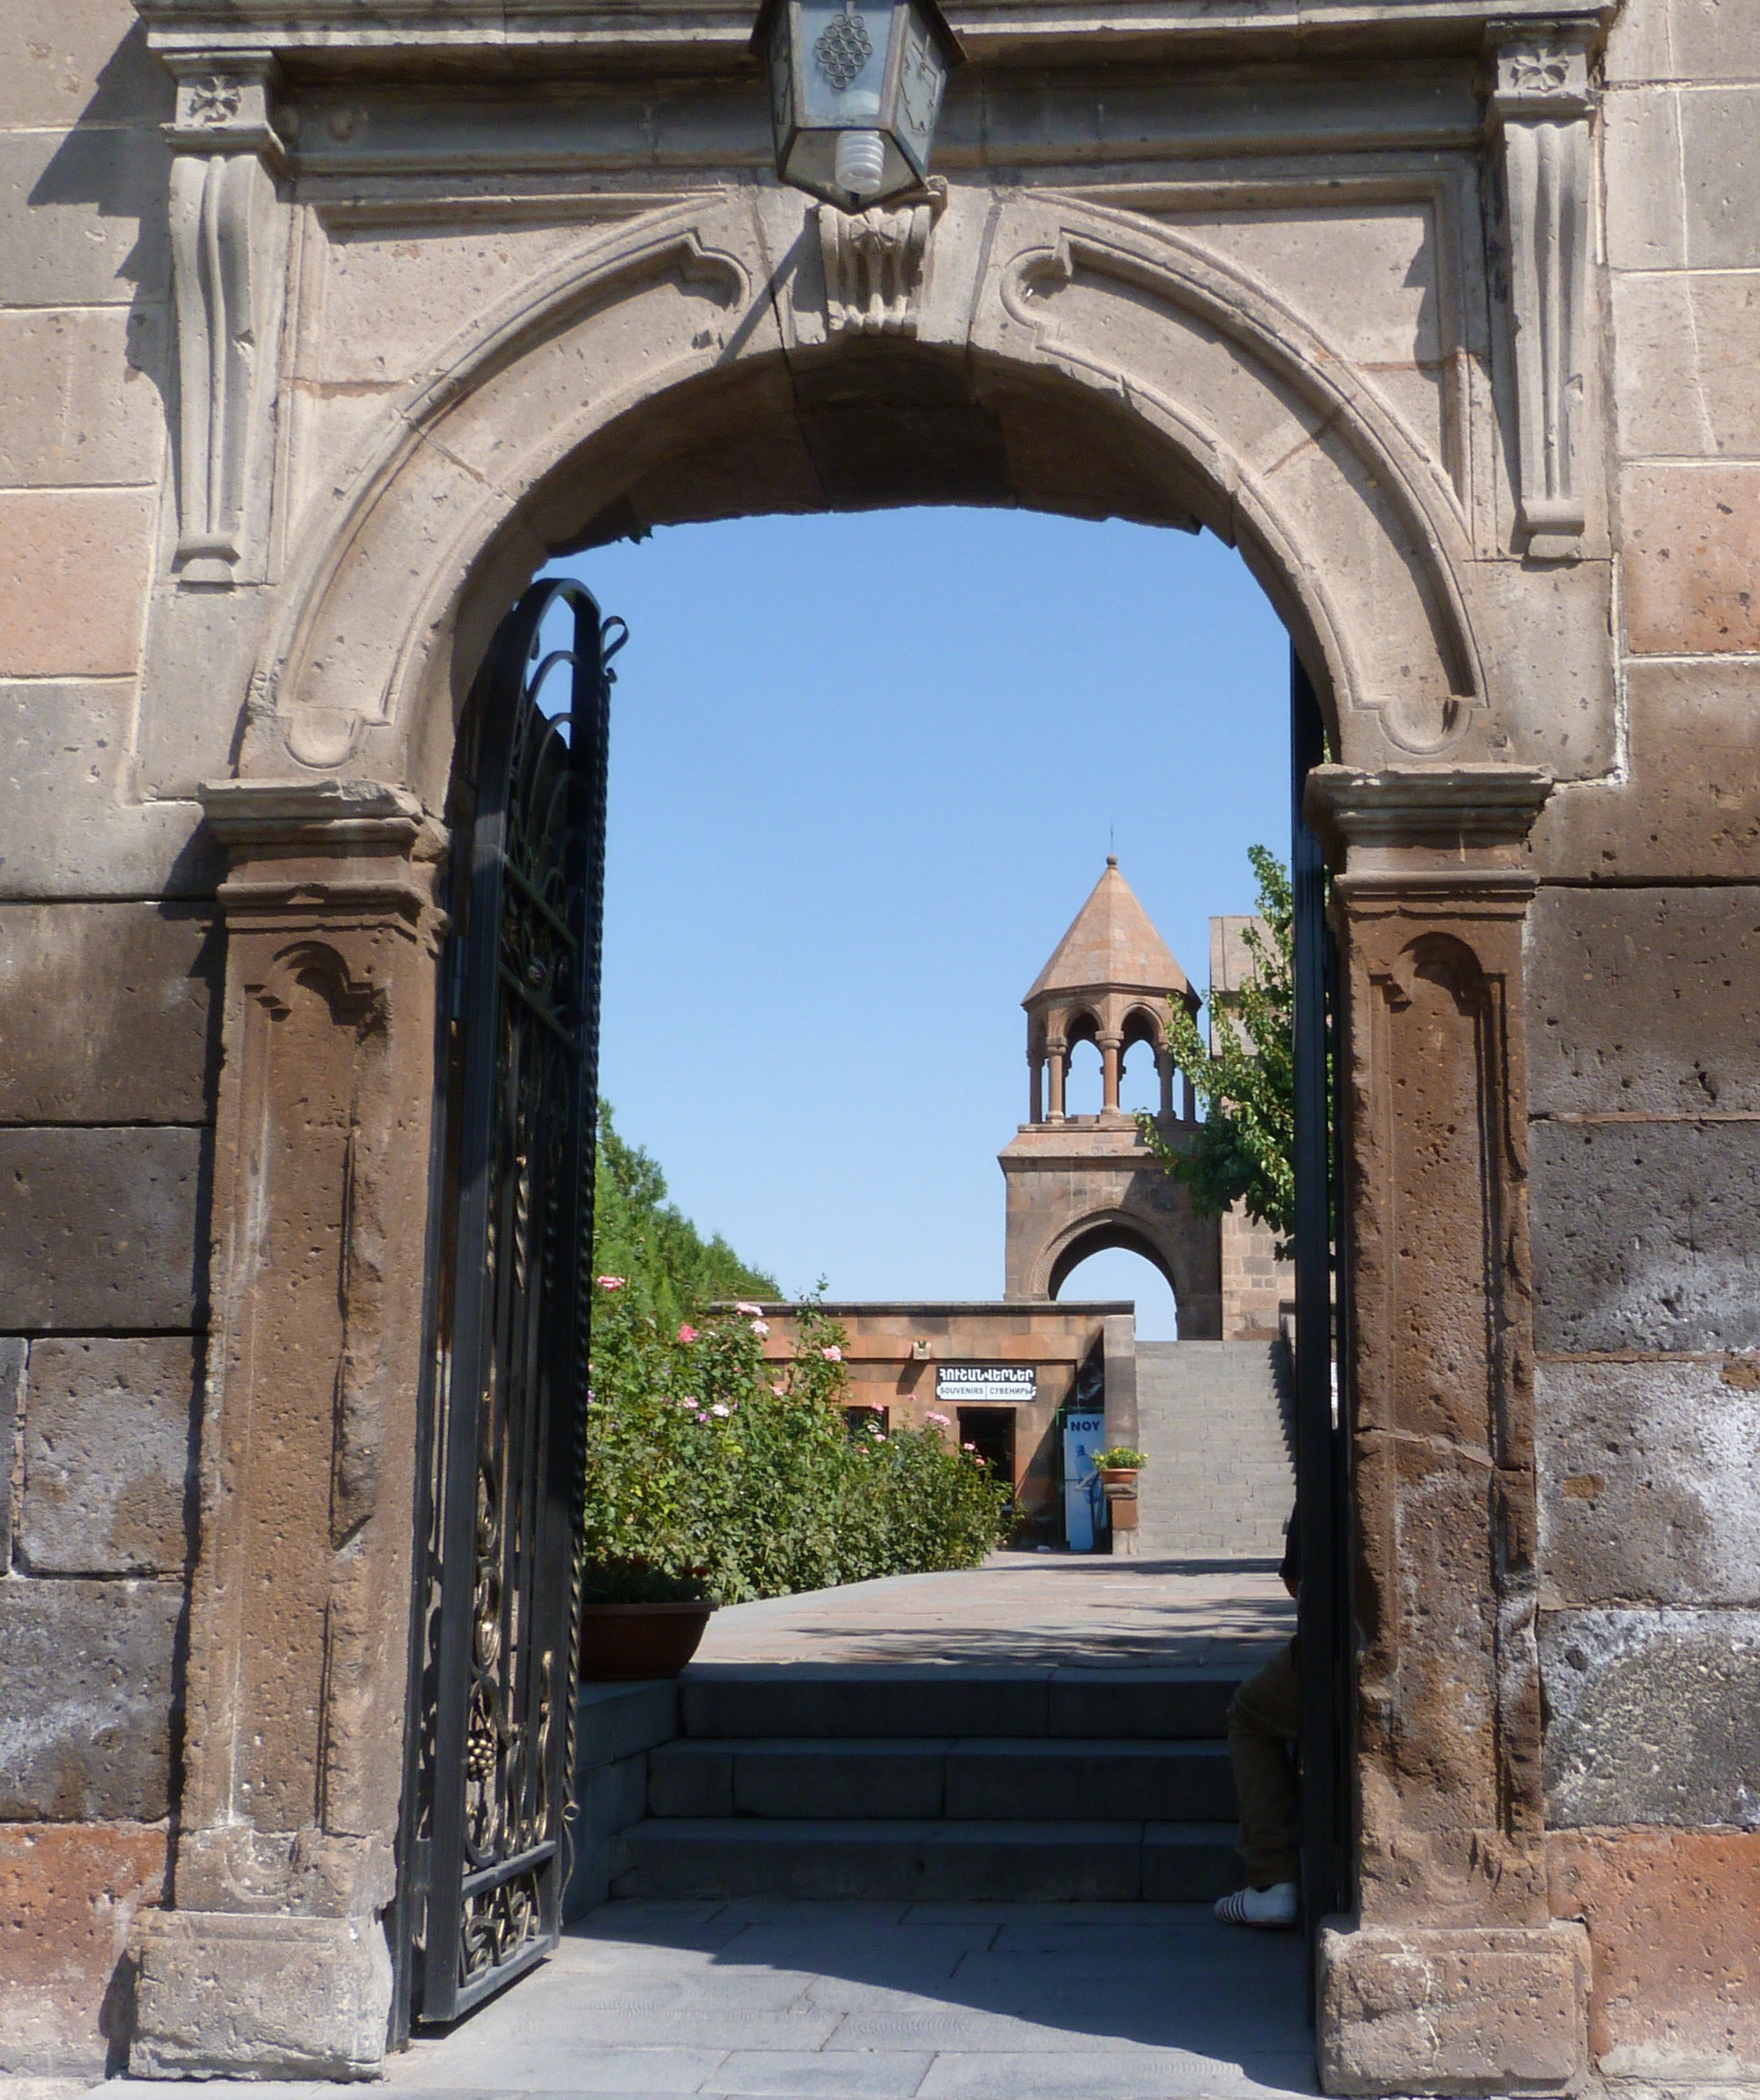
(700, 1457)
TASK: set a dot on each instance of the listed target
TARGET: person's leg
(1264, 1719)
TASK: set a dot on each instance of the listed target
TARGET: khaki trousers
(1264, 1720)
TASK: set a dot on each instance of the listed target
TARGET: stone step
(766, 1700)
(708, 1859)
(995, 1780)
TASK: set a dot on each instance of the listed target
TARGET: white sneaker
(1274, 1909)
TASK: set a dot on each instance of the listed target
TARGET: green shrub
(700, 1457)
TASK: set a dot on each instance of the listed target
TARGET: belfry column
(275, 1962)
(1452, 1977)
(1056, 1065)
(1111, 1057)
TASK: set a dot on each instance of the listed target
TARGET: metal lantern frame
(799, 40)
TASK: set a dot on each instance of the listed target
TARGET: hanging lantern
(854, 93)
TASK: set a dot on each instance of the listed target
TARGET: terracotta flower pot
(621, 1641)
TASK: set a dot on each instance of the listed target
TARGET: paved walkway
(922, 2002)
(878, 2002)
(1022, 1610)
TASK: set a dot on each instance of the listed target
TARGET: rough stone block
(69, 824)
(81, 61)
(85, 1729)
(1692, 543)
(1652, 1716)
(82, 218)
(1719, 126)
(76, 408)
(107, 1012)
(1690, 804)
(1682, 183)
(1456, 2011)
(69, 1893)
(1646, 205)
(1644, 1001)
(223, 1994)
(107, 1455)
(1684, 40)
(1645, 1235)
(73, 578)
(1673, 1918)
(13, 1350)
(1686, 346)
(102, 1229)
(1649, 1481)
(201, 647)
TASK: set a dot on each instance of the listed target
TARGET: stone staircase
(1214, 1421)
(940, 1784)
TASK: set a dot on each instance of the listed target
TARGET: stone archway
(698, 360)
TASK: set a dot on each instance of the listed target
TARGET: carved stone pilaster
(877, 265)
(1541, 106)
(1452, 1978)
(229, 232)
(299, 1618)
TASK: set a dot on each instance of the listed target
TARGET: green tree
(671, 1271)
(1245, 1149)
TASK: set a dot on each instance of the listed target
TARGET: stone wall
(105, 1041)
(1643, 962)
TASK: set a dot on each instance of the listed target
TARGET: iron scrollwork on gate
(493, 1693)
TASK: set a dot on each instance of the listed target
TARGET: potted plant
(1119, 1465)
(638, 1621)
(1118, 1468)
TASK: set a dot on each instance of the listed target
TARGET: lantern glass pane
(812, 165)
(782, 86)
(843, 62)
(922, 75)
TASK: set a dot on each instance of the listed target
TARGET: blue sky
(864, 770)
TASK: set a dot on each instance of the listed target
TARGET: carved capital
(222, 105)
(327, 851)
(1540, 109)
(877, 265)
(1445, 824)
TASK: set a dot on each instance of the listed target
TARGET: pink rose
(940, 1421)
(751, 1312)
(781, 1392)
(833, 1355)
(687, 1333)
(761, 1329)
(719, 1409)
(612, 1282)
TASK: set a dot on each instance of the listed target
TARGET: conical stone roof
(1110, 946)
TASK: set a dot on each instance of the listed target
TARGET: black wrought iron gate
(491, 1741)
(1321, 1311)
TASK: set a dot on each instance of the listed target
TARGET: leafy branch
(1246, 1149)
